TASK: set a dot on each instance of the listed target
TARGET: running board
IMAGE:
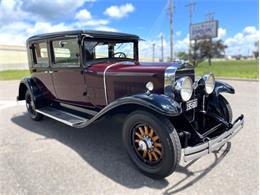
(62, 116)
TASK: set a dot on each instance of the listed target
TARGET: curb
(235, 79)
(238, 79)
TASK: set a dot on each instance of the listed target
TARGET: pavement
(48, 157)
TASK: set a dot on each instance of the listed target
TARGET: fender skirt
(161, 104)
(221, 87)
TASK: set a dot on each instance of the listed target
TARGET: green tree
(183, 55)
(256, 52)
(207, 49)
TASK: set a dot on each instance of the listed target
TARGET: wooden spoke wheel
(147, 144)
(152, 143)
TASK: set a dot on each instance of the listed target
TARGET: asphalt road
(48, 157)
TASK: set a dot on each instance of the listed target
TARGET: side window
(66, 53)
(41, 55)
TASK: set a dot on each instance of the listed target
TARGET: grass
(231, 68)
(13, 74)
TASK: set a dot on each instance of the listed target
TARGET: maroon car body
(79, 76)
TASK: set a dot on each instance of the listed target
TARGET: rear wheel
(31, 107)
(152, 143)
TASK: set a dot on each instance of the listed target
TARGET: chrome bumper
(191, 153)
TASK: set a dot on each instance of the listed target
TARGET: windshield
(98, 50)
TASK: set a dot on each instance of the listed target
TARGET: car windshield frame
(88, 62)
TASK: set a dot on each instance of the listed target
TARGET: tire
(220, 106)
(170, 149)
(31, 107)
(225, 108)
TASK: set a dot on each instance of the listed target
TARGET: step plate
(62, 116)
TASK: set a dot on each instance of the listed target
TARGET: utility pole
(191, 5)
(162, 57)
(153, 51)
(171, 10)
(210, 16)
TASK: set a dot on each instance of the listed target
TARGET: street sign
(208, 29)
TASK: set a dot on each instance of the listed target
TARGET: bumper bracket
(191, 153)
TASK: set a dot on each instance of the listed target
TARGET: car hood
(140, 67)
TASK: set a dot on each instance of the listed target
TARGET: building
(13, 57)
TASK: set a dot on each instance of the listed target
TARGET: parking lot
(48, 157)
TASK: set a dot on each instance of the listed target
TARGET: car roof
(89, 33)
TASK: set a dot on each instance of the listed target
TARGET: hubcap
(147, 144)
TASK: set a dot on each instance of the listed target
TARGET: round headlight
(209, 80)
(184, 88)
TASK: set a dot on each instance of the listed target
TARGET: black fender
(160, 104)
(27, 83)
(221, 87)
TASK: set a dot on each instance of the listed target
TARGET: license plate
(191, 104)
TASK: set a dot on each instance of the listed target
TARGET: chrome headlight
(209, 80)
(184, 88)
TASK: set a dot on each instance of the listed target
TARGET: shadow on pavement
(182, 184)
(100, 145)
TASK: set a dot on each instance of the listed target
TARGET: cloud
(119, 11)
(250, 30)
(221, 33)
(85, 18)
(10, 11)
(243, 42)
(83, 15)
(106, 28)
(51, 9)
(178, 33)
(47, 27)
(20, 19)
(182, 45)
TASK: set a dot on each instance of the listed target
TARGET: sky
(238, 20)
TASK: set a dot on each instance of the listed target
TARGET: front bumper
(191, 153)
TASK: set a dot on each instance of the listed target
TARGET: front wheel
(31, 107)
(152, 143)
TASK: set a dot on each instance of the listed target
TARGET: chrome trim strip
(169, 76)
(191, 153)
(104, 77)
(130, 74)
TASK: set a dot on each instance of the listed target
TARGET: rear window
(41, 55)
(66, 53)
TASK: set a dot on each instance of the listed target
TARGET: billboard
(208, 29)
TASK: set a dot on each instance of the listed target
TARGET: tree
(183, 55)
(207, 49)
(256, 52)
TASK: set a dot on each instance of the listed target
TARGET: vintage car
(80, 76)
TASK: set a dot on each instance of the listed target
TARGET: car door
(67, 72)
(41, 68)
